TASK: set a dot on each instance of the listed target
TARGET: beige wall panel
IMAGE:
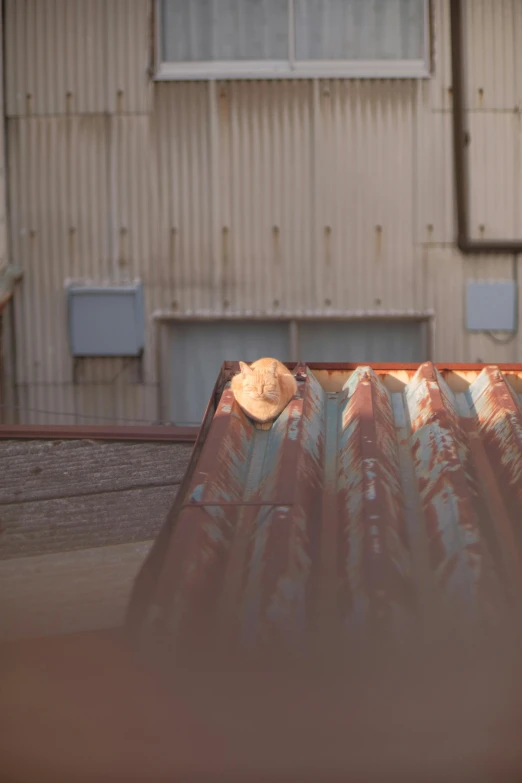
(266, 159)
(78, 56)
(517, 33)
(434, 176)
(129, 55)
(55, 57)
(316, 201)
(59, 216)
(494, 159)
(109, 391)
(185, 263)
(133, 198)
(447, 274)
(48, 403)
(490, 53)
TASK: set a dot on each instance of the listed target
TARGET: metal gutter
(461, 140)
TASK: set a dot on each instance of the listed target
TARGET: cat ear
(245, 369)
(273, 368)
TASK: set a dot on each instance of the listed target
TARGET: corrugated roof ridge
(460, 555)
(380, 575)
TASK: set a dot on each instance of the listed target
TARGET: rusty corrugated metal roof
(383, 500)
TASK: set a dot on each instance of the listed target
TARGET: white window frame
(292, 68)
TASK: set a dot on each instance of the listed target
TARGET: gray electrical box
(491, 306)
(106, 321)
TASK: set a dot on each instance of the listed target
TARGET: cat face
(260, 384)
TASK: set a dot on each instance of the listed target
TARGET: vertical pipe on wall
(461, 140)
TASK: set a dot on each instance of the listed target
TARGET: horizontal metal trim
(417, 69)
(150, 434)
(363, 315)
(472, 246)
(394, 366)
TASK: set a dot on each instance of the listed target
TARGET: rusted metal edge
(244, 503)
(146, 580)
(5, 298)
(461, 140)
(98, 432)
(231, 367)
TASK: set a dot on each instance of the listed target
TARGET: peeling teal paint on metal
(379, 471)
(197, 493)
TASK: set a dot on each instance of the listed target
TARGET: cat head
(260, 384)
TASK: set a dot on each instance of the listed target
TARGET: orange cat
(263, 390)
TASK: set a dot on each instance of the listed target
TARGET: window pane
(359, 29)
(207, 30)
(199, 349)
(361, 341)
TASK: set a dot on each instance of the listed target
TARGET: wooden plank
(64, 524)
(69, 592)
(41, 470)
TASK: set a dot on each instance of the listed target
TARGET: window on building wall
(196, 350)
(200, 39)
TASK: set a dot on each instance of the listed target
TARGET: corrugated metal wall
(3, 221)
(283, 197)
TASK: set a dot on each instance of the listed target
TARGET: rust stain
(224, 108)
(328, 245)
(377, 567)
(225, 246)
(276, 243)
(499, 419)
(378, 240)
(450, 495)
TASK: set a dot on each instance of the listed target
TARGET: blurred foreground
(91, 708)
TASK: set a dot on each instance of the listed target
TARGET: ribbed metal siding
(493, 96)
(254, 216)
(495, 205)
(78, 56)
(239, 198)
(493, 99)
(493, 54)
(446, 278)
